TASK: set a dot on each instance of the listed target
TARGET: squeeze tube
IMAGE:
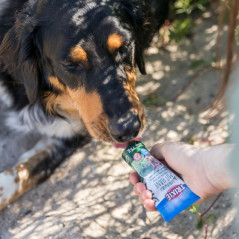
(169, 192)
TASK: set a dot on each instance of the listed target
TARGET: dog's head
(79, 58)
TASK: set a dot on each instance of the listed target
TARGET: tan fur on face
(56, 83)
(130, 85)
(60, 103)
(136, 104)
(89, 106)
(131, 75)
(77, 104)
(114, 42)
(63, 105)
(78, 54)
(133, 97)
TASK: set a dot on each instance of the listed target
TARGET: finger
(139, 188)
(134, 178)
(156, 151)
(141, 200)
(149, 205)
(146, 194)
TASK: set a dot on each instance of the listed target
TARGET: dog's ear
(137, 16)
(19, 52)
(139, 58)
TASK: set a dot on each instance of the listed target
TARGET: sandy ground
(90, 196)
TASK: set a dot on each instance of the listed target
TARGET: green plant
(181, 10)
(188, 6)
(202, 220)
(198, 64)
(180, 29)
(153, 99)
(237, 35)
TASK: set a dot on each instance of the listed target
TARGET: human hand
(205, 171)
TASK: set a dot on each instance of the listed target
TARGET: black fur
(37, 35)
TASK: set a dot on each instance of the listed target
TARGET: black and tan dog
(67, 67)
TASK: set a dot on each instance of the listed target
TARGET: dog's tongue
(124, 145)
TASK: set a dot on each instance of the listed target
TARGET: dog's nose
(125, 128)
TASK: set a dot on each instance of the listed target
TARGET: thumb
(178, 156)
(156, 151)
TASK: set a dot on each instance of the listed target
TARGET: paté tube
(169, 193)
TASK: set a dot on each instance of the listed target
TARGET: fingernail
(143, 197)
(136, 189)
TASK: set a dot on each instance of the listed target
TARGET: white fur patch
(62, 128)
(8, 186)
(45, 144)
(5, 96)
(34, 119)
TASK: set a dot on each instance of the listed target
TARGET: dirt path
(90, 196)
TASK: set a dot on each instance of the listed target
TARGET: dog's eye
(119, 54)
(124, 54)
(71, 67)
